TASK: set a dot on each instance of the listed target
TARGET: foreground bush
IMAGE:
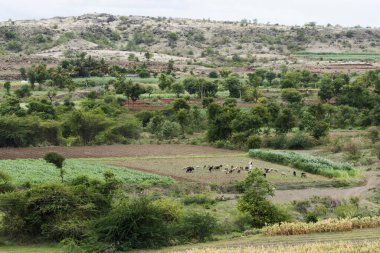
(340, 247)
(330, 225)
(144, 223)
(304, 162)
(139, 223)
(55, 211)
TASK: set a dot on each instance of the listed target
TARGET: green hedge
(304, 162)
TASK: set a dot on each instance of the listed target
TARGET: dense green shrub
(120, 228)
(18, 132)
(253, 142)
(55, 211)
(196, 226)
(300, 141)
(308, 163)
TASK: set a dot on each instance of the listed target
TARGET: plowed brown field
(111, 151)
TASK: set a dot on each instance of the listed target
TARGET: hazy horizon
(292, 12)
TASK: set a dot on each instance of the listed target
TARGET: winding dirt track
(373, 181)
(112, 151)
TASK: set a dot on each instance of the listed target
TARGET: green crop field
(340, 56)
(38, 171)
(304, 162)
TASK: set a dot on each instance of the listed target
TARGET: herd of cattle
(238, 169)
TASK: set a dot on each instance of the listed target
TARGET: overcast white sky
(343, 12)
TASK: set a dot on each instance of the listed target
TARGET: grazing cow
(283, 174)
(246, 168)
(303, 174)
(294, 173)
(266, 170)
(210, 168)
(189, 169)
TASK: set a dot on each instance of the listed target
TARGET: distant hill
(190, 42)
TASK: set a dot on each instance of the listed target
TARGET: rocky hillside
(188, 42)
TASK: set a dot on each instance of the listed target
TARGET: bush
(278, 141)
(308, 163)
(254, 142)
(138, 223)
(196, 226)
(300, 141)
(54, 211)
(374, 134)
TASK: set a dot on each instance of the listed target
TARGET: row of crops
(38, 171)
(304, 162)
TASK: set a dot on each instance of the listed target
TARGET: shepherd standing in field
(250, 164)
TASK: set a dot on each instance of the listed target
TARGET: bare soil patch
(112, 151)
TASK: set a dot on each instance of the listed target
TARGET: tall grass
(329, 225)
(304, 162)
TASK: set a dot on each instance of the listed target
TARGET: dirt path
(373, 180)
(112, 151)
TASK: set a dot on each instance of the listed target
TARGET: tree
(148, 55)
(180, 103)
(133, 91)
(285, 121)
(87, 125)
(7, 87)
(254, 201)
(326, 92)
(291, 95)
(254, 79)
(149, 90)
(355, 95)
(170, 67)
(183, 118)
(178, 88)
(319, 129)
(165, 81)
(23, 73)
(57, 160)
(233, 85)
(51, 94)
(37, 73)
(23, 91)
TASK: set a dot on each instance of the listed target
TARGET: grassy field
(260, 240)
(38, 171)
(31, 249)
(340, 56)
(342, 247)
